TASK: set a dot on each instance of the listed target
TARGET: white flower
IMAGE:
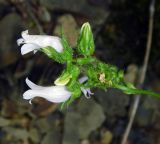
(56, 94)
(35, 42)
(86, 91)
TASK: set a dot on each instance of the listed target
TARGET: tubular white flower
(56, 94)
(86, 91)
(35, 42)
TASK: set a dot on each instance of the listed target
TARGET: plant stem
(137, 91)
(143, 74)
(145, 92)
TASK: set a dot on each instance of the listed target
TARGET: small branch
(143, 73)
(149, 42)
(25, 6)
(33, 17)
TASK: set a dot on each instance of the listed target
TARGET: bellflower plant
(68, 86)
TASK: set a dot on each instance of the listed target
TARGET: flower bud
(63, 79)
(85, 41)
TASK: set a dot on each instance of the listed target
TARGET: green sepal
(62, 57)
(75, 88)
(73, 70)
(53, 54)
(68, 51)
(63, 79)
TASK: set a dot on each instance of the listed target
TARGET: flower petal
(56, 44)
(83, 79)
(87, 92)
(20, 41)
(25, 34)
(32, 85)
(26, 48)
(29, 94)
(56, 94)
(41, 41)
(45, 41)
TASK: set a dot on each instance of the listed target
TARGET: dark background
(120, 30)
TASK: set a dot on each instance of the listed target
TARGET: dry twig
(143, 73)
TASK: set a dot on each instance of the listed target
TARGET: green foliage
(99, 74)
(63, 57)
(63, 79)
(53, 54)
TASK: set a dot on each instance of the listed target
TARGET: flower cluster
(79, 61)
(59, 93)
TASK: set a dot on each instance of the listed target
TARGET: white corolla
(35, 42)
(56, 94)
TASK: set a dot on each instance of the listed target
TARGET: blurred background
(120, 30)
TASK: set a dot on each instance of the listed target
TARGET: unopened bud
(63, 79)
(85, 41)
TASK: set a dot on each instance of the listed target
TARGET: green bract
(62, 57)
(63, 79)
